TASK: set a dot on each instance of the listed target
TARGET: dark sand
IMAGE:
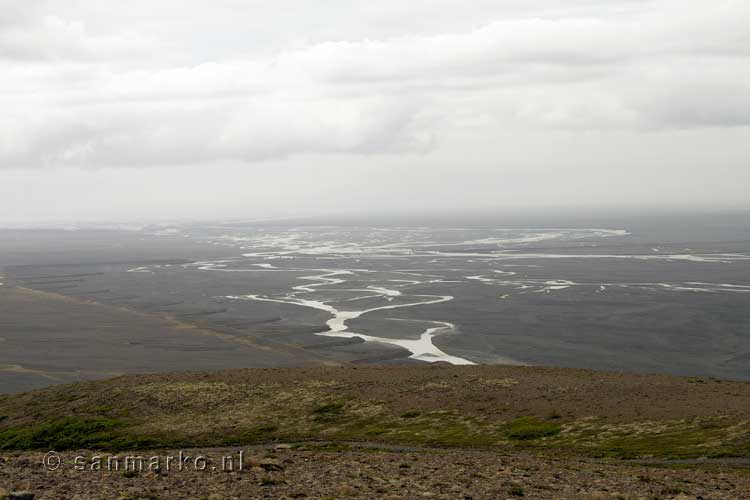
(92, 317)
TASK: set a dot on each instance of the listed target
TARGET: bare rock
(21, 495)
(347, 491)
(267, 464)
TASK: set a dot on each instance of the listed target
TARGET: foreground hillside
(592, 413)
(383, 474)
(451, 432)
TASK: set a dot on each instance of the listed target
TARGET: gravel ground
(316, 474)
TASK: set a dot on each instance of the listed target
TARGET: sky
(169, 110)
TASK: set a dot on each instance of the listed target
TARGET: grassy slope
(583, 412)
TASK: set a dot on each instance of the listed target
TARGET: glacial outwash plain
(592, 359)
(375, 250)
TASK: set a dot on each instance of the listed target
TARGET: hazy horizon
(540, 217)
(183, 110)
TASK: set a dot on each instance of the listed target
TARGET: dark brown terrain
(387, 432)
(438, 474)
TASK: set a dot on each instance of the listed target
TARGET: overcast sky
(253, 108)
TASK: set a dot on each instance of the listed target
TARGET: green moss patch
(528, 428)
(679, 439)
(202, 410)
(64, 434)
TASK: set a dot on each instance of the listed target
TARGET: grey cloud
(366, 96)
(511, 92)
(51, 38)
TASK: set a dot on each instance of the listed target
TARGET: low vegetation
(436, 407)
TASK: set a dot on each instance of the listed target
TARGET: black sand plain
(72, 308)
